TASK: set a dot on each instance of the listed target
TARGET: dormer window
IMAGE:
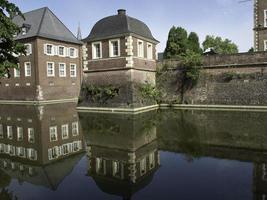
(114, 48)
(28, 49)
(96, 50)
(24, 31)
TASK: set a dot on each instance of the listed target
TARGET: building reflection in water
(122, 150)
(40, 144)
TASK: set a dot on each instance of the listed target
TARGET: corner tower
(260, 25)
(120, 58)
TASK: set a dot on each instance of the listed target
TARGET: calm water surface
(53, 152)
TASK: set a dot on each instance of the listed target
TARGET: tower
(260, 25)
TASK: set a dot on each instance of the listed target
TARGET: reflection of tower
(260, 181)
(122, 150)
(34, 138)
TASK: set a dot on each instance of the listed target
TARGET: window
(62, 70)
(65, 131)
(19, 133)
(48, 49)
(23, 30)
(140, 48)
(66, 149)
(100, 166)
(265, 18)
(53, 153)
(73, 70)
(117, 169)
(114, 48)
(31, 135)
(31, 154)
(61, 51)
(50, 69)
(53, 133)
(151, 160)
(20, 151)
(1, 131)
(17, 71)
(143, 166)
(9, 132)
(72, 52)
(96, 50)
(28, 49)
(75, 130)
(149, 51)
(28, 70)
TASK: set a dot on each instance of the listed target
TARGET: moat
(53, 152)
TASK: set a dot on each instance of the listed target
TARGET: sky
(226, 18)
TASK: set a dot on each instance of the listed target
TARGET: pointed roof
(79, 33)
(44, 23)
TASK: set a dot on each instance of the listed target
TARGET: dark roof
(44, 23)
(117, 25)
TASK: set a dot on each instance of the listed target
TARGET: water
(53, 152)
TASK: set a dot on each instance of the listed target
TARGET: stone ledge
(215, 107)
(21, 102)
(117, 110)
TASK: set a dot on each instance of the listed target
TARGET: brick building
(260, 22)
(121, 52)
(51, 68)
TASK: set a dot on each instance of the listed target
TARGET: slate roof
(44, 23)
(118, 25)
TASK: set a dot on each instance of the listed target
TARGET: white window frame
(111, 50)
(23, 30)
(28, 51)
(59, 70)
(9, 131)
(1, 131)
(55, 132)
(74, 52)
(94, 50)
(65, 130)
(31, 138)
(52, 49)
(75, 74)
(26, 70)
(265, 18)
(265, 45)
(75, 129)
(149, 51)
(19, 133)
(53, 69)
(140, 52)
(17, 71)
(64, 51)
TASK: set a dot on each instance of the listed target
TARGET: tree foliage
(193, 43)
(9, 48)
(219, 45)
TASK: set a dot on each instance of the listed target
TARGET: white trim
(25, 69)
(75, 75)
(54, 128)
(74, 52)
(31, 137)
(140, 52)
(66, 128)
(64, 53)
(111, 52)
(17, 71)
(265, 45)
(53, 69)
(94, 50)
(149, 52)
(30, 49)
(65, 70)
(265, 18)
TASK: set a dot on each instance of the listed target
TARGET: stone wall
(238, 79)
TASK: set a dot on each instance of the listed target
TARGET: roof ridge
(41, 22)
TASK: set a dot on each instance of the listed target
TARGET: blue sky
(225, 18)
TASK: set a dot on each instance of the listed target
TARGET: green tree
(251, 50)
(177, 43)
(219, 45)
(193, 43)
(8, 46)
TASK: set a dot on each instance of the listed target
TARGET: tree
(177, 43)
(219, 45)
(193, 43)
(251, 50)
(9, 48)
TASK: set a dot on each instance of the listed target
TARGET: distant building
(120, 51)
(51, 69)
(260, 23)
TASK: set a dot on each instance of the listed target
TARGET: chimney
(121, 12)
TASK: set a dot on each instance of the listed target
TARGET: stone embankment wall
(236, 79)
